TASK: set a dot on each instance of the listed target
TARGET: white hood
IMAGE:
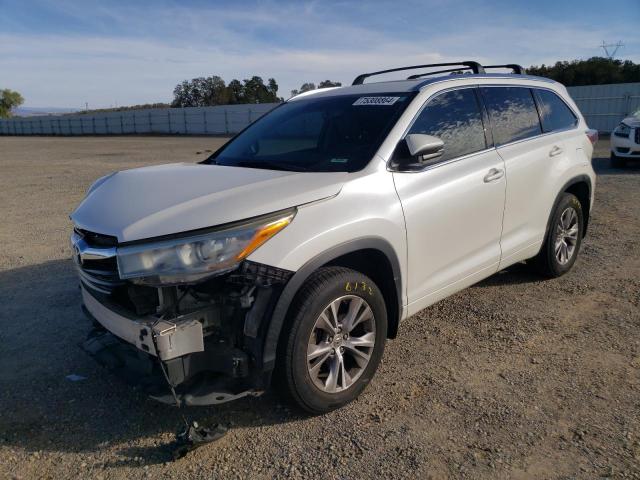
(633, 122)
(153, 201)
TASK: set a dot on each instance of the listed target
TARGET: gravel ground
(513, 378)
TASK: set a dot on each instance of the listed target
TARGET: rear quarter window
(512, 112)
(554, 113)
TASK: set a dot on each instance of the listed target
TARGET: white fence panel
(603, 106)
(220, 120)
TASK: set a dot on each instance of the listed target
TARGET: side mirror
(427, 147)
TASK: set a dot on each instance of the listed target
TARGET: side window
(512, 112)
(554, 113)
(454, 117)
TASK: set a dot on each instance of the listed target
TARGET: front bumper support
(161, 338)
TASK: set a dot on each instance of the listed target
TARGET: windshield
(336, 133)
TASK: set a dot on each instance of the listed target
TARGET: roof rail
(517, 69)
(475, 67)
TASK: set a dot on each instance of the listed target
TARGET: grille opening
(97, 239)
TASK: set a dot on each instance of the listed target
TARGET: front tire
(333, 340)
(562, 243)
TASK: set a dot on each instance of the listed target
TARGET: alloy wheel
(566, 235)
(341, 343)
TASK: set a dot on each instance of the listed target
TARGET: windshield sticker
(376, 100)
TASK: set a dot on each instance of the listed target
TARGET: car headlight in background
(622, 130)
(190, 259)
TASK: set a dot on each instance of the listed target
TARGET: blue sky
(63, 53)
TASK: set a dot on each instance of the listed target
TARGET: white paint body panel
(453, 219)
(154, 201)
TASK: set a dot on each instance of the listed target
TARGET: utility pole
(611, 53)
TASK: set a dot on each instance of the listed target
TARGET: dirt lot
(513, 378)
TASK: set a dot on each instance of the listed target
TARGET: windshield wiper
(266, 164)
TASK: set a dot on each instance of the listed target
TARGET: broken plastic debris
(195, 436)
(75, 378)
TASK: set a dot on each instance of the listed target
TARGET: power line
(611, 53)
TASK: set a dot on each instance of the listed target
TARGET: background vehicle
(625, 141)
(301, 244)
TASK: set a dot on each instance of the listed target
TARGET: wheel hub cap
(566, 235)
(341, 344)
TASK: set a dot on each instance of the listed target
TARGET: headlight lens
(622, 130)
(190, 259)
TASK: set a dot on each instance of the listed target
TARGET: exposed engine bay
(198, 344)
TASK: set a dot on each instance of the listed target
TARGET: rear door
(532, 161)
(453, 207)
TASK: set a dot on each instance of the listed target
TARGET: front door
(453, 207)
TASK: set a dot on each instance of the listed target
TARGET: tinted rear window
(512, 112)
(554, 113)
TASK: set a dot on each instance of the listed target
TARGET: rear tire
(562, 243)
(617, 162)
(333, 340)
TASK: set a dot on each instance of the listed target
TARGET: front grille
(96, 263)
(638, 135)
(97, 240)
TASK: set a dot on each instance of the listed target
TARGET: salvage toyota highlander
(294, 252)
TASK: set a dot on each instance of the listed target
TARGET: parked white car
(296, 250)
(625, 141)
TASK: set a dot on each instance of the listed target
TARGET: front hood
(633, 122)
(161, 200)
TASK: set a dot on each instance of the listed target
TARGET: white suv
(625, 141)
(300, 245)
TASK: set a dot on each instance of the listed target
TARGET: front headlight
(190, 259)
(622, 130)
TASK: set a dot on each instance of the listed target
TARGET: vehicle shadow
(602, 166)
(41, 327)
(513, 275)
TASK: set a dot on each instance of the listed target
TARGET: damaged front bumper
(198, 345)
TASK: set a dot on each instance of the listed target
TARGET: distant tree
(234, 91)
(120, 109)
(9, 100)
(209, 91)
(255, 91)
(594, 71)
(312, 86)
(329, 84)
(183, 94)
(304, 88)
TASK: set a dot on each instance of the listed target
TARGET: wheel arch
(581, 188)
(373, 256)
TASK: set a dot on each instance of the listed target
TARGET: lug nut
(330, 339)
(333, 351)
(345, 336)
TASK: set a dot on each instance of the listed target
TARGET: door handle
(493, 175)
(556, 150)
